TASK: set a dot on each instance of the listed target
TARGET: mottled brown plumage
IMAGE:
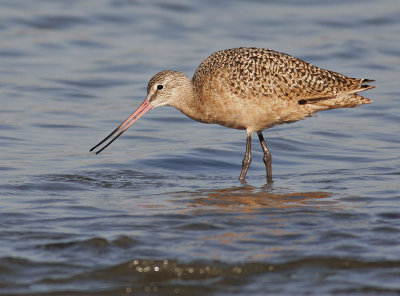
(251, 89)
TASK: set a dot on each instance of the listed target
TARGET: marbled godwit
(250, 89)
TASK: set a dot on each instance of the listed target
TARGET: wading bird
(250, 89)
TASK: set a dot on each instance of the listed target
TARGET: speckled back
(255, 72)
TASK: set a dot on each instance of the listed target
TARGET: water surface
(161, 211)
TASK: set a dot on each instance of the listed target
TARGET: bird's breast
(240, 111)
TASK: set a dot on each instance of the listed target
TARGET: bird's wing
(251, 73)
(281, 76)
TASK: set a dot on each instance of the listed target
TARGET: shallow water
(161, 211)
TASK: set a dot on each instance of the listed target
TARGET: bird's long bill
(143, 108)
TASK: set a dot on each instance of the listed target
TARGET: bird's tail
(343, 100)
(365, 86)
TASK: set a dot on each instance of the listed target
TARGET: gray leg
(247, 159)
(267, 156)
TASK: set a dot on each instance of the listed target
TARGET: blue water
(161, 211)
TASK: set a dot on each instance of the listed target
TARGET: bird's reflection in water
(265, 222)
(250, 199)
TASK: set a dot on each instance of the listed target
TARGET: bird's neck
(188, 103)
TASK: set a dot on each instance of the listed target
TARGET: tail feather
(344, 101)
(367, 80)
(366, 86)
(341, 100)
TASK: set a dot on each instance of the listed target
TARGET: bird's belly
(252, 114)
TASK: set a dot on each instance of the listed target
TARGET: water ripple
(53, 22)
(164, 212)
(196, 278)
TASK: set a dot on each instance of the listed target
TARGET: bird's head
(167, 88)
(164, 88)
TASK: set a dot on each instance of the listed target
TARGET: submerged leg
(247, 158)
(267, 156)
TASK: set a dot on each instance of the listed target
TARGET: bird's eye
(160, 87)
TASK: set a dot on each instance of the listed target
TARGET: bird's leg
(247, 158)
(267, 156)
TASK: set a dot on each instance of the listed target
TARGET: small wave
(96, 243)
(199, 277)
(53, 22)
